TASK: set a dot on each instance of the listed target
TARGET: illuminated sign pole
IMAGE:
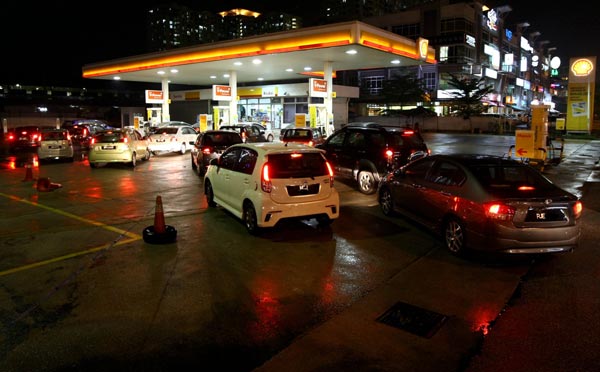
(580, 102)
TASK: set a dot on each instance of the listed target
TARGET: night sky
(47, 43)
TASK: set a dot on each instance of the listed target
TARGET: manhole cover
(413, 319)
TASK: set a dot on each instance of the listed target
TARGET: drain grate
(413, 319)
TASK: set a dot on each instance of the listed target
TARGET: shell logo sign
(221, 93)
(422, 48)
(582, 67)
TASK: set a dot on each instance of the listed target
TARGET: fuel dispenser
(534, 145)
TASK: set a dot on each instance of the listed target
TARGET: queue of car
(473, 202)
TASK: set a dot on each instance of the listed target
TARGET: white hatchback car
(172, 138)
(118, 146)
(55, 144)
(264, 183)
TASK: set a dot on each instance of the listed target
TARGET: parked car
(364, 152)
(80, 136)
(250, 132)
(264, 183)
(310, 136)
(118, 146)
(92, 125)
(55, 144)
(25, 137)
(172, 138)
(484, 202)
(210, 145)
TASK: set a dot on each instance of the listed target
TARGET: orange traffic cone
(43, 184)
(159, 217)
(28, 173)
(159, 233)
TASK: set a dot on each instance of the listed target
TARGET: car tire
(183, 149)
(386, 202)
(270, 138)
(210, 196)
(250, 219)
(366, 182)
(324, 220)
(133, 161)
(147, 157)
(194, 167)
(454, 236)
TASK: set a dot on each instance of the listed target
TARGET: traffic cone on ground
(159, 217)
(159, 233)
(28, 173)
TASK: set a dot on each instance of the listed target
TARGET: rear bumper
(527, 240)
(271, 213)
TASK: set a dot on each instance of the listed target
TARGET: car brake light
(330, 170)
(408, 133)
(92, 141)
(389, 154)
(265, 179)
(526, 188)
(311, 143)
(498, 211)
(577, 209)
(206, 150)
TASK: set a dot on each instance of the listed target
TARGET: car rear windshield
(109, 137)
(221, 139)
(58, 135)
(168, 130)
(298, 134)
(296, 165)
(406, 140)
(505, 180)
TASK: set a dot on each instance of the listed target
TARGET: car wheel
(133, 161)
(454, 236)
(250, 220)
(210, 196)
(324, 220)
(147, 157)
(366, 182)
(183, 149)
(270, 138)
(194, 167)
(386, 202)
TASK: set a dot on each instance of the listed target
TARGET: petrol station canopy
(282, 55)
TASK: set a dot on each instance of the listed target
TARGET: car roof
(479, 159)
(266, 148)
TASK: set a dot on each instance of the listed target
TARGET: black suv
(364, 152)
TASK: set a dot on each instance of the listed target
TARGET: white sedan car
(172, 138)
(264, 183)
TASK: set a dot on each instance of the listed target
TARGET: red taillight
(92, 141)
(330, 170)
(389, 154)
(577, 209)
(408, 133)
(85, 132)
(311, 143)
(206, 150)
(526, 188)
(498, 211)
(124, 140)
(11, 137)
(265, 179)
(244, 136)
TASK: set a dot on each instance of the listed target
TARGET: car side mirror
(214, 161)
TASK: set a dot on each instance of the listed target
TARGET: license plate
(109, 147)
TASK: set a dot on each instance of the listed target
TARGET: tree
(403, 89)
(470, 92)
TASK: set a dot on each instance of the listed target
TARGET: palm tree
(470, 92)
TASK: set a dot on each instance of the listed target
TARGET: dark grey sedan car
(486, 203)
(209, 145)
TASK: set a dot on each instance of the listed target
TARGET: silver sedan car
(485, 203)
